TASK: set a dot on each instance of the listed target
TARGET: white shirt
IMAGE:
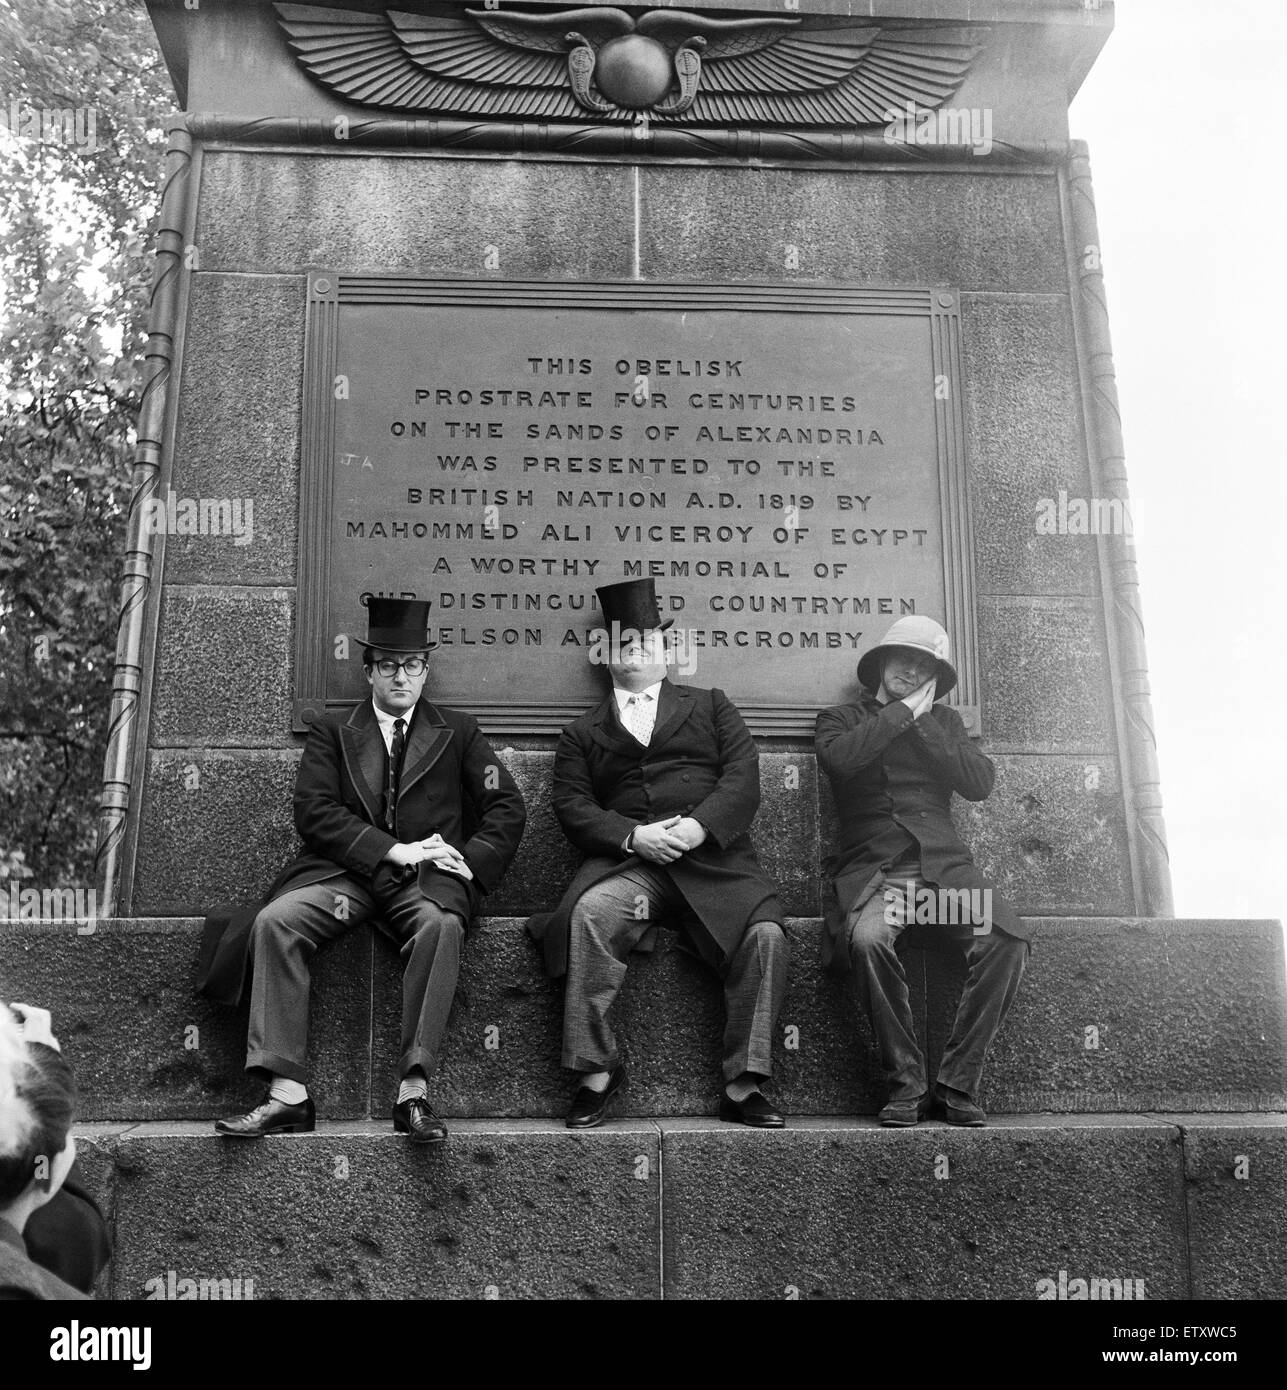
(649, 695)
(387, 721)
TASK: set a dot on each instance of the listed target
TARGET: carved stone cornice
(670, 67)
(574, 138)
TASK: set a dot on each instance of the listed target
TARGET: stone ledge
(932, 1212)
(1235, 1176)
(1186, 1014)
(515, 1210)
(830, 1207)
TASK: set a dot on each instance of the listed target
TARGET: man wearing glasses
(408, 817)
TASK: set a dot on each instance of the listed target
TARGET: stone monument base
(1158, 1170)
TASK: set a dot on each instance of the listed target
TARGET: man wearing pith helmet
(894, 757)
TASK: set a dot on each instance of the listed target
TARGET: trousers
(285, 937)
(607, 923)
(995, 964)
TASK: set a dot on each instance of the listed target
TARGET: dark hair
(43, 1083)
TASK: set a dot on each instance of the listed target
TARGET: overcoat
(452, 783)
(68, 1235)
(892, 778)
(21, 1278)
(700, 762)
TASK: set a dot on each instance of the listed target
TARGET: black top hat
(397, 625)
(632, 606)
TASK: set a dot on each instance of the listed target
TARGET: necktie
(639, 717)
(395, 770)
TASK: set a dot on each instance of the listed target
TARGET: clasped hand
(435, 849)
(664, 841)
(921, 700)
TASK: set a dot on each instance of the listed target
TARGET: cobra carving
(668, 64)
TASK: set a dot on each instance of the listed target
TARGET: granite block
(215, 827)
(829, 1063)
(1031, 1208)
(1235, 1169)
(243, 634)
(1024, 433)
(546, 862)
(518, 1209)
(1045, 679)
(842, 1209)
(144, 1045)
(1052, 835)
(1134, 1015)
(785, 830)
(94, 1159)
(238, 434)
(1186, 1015)
(96, 1173)
(432, 215)
(865, 226)
(501, 1054)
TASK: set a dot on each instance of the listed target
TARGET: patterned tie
(639, 717)
(395, 770)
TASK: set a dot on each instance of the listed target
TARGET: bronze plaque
(785, 460)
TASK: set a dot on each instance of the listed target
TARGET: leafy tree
(86, 98)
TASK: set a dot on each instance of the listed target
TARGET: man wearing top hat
(657, 787)
(407, 816)
(894, 757)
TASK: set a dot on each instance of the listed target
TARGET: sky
(1188, 158)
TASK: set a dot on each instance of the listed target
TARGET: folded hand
(659, 843)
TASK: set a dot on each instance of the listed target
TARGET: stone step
(1106, 1206)
(1114, 1015)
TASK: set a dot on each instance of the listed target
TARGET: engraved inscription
(779, 473)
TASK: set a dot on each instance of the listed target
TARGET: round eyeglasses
(414, 666)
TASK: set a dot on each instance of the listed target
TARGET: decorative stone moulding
(664, 65)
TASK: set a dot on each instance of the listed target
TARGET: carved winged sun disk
(776, 72)
(364, 59)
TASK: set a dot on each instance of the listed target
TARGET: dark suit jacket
(21, 1278)
(68, 1235)
(452, 783)
(893, 778)
(700, 762)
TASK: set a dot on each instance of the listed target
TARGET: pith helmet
(919, 635)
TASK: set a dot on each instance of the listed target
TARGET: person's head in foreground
(37, 1106)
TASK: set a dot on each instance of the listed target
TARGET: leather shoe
(958, 1108)
(754, 1111)
(903, 1114)
(589, 1107)
(416, 1119)
(270, 1117)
